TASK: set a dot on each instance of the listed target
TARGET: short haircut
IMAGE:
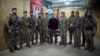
(14, 9)
(24, 11)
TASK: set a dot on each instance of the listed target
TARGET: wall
(0, 9)
(97, 16)
(68, 11)
(1, 34)
(5, 10)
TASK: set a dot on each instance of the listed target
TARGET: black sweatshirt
(53, 24)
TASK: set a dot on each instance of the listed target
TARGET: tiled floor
(54, 50)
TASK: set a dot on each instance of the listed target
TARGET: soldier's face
(64, 15)
(40, 14)
(14, 12)
(88, 14)
(53, 15)
(72, 13)
(31, 14)
(77, 14)
(46, 15)
(25, 14)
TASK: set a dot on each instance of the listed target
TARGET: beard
(89, 16)
(31, 15)
(14, 13)
(39, 16)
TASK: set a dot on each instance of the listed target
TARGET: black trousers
(70, 33)
(83, 38)
(53, 33)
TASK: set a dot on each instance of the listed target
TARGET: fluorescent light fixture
(73, 0)
(67, 3)
(64, 0)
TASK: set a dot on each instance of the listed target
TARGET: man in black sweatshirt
(53, 26)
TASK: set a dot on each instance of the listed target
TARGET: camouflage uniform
(63, 23)
(33, 27)
(39, 29)
(90, 26)
(77, 32)
(26, 30)
(71, 28)
(13, 24)
(45, 29)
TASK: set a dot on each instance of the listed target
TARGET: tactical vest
(89, 23)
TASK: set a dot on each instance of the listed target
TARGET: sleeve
(95, 22)
(49, 23)
(7, 22)
(35, 22)
(21, 21)
(57, 23)
(44, 22)
(67, 24)
(81, 23)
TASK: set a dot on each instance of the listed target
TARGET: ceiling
(65, 3)
(69, 3)
(57, 1)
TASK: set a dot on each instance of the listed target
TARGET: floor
(54, 50)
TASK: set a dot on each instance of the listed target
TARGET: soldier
(70, 25)
(39, 28)
(90, 26)
(13, 25)
(83, 33)
(33, 27)
(77, 30)
(45, 28)
(25, 29)
(63, 28)
(53, 27)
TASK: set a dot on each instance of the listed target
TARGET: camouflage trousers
(77, 38)
(89, 39)
(46, 35)
(12, 40)
(25, 37)
(63, 36)
(39, 33)
(32, 35)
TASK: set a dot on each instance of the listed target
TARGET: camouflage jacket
(71, 21)
(32, 22)
(77, 23)
(13, 22)
(63, 23)
(45, 23)
(24, 23)
(39, 23)
(90, 23)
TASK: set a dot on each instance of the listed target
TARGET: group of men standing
(30, 30)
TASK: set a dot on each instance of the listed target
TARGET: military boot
(11, 50)
(16, 48)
